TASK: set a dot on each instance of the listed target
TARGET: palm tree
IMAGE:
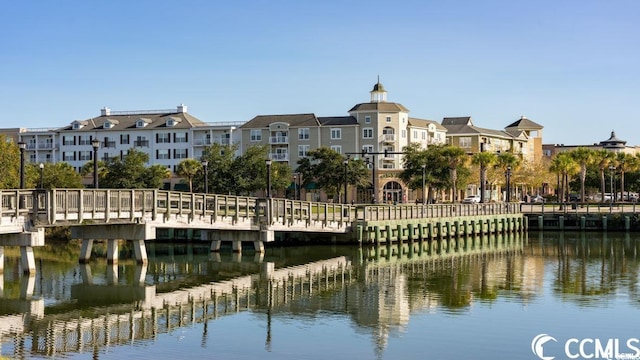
(188, 169)
(603, 158)
(564, 165)
(584, 157)
(454, 156)
(625, 163)
(484, 160)
(506, 161)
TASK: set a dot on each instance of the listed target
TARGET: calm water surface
(481, 298)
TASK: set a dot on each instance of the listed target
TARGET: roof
(337, 120)
(182, 120)
(525, 124)
(466, 120)
(379, 106)
(263, 121)
(425, 123)
(613, 141)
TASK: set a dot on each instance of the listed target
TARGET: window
(84, 140)
(124, 139)
(69, 156)
(336, 134)
(84, 156)
(404, 133)
(367, 133)
(107, 125)
(256, 135)
(303, 134)
(141, 141)
(337, 148)
(163, 154)
(367, 148)
(76, 126)
(180, 153)
(415, 134)
(68, 140)
(163, 138)
(303, 150)
(388, 119)
(171, 123)
(424, 135)
(367, 119)
(180, 137)
(464, 142)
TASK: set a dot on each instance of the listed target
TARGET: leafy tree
(220, 176)
(188, 169)
(324, 167)
(250, 171)
(9, 163)
(130, 172)
(54, 175)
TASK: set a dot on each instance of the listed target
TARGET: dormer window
(110, 123)
(77, 125)
(142, 122)
(171, 122)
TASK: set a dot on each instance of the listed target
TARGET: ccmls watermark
(546, 347)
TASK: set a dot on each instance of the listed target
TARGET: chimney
(105, 111)
(182, 108)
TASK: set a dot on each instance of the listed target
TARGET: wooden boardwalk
(136, 214)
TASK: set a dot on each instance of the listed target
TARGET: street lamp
(424, 197)
(508, 175)
(612, 169)
(41, 176)
(96, 144)
(268, 162)
(346, 182)
(205, 163)
(22, 145)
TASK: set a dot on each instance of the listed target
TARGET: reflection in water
(70, 309)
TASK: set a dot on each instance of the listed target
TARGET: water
(484, 298)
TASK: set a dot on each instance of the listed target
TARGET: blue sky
(571, 66)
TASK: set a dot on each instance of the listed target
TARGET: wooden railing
(48, 207)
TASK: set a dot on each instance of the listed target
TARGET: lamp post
(22, 145)
(612, 169)
(346, 182)
(508, 175)
(268, 162)
(205, 163)
(424, 197)
(41, 176)
(96, 144)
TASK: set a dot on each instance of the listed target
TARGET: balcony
(278, 140)
(141, 143)
(209, 142)
(108, 144)
(387, 138)
(279, 156)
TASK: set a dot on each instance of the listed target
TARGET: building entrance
(392, 193)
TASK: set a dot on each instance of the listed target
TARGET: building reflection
(377, 288)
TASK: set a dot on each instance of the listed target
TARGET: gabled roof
(128, 122)
(296, 120)
(459, 126)
(465, 120)
(423, 123)
(379, 106)
(337, 120)
(525, 124)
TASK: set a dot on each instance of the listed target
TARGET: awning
(311, 186)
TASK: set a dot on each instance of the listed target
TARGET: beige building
(375, 129)
(613, 144)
